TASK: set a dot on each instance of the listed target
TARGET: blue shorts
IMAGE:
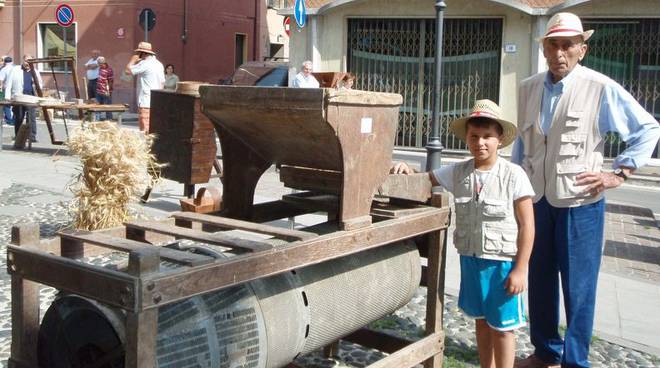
(483, 296)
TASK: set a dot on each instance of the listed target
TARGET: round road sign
(287, 26)
(64, 15)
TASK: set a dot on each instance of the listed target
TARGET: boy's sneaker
(533, 361)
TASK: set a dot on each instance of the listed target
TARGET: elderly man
(564, 115)
(151, 75)
(305, 79)
(92, 67)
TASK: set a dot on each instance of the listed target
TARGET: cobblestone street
(23, 203)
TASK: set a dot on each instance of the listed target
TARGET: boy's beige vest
(485, 228)
(573, 144)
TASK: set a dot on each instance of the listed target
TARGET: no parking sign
(64, 15)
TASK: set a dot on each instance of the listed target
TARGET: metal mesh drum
(262, 324)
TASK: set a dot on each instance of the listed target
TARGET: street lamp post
(434, 146)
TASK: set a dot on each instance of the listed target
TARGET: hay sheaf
(116, 168)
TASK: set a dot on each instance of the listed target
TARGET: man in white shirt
(151, 75)
(305, 79)
(92, 67)
(7, 66)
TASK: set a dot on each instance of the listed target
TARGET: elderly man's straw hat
(145, 47)
(565, 25)
(485, 109)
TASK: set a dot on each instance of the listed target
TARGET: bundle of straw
(117, 167)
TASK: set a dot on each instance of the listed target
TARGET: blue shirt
(619, 112)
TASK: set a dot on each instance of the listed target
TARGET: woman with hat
(494, 230)
(151, 75)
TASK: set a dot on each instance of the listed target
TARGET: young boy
(494, 230)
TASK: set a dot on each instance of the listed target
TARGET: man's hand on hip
(597, 182)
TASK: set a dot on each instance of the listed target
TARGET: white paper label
(365, 126)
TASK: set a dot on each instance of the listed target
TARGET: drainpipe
(184, 40)
(314, 39)
(20, 31)
(255, 31)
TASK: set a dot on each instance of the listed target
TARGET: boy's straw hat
(145, 47)
(565, 25)
(485, 109)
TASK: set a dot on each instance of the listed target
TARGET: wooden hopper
(336, 142)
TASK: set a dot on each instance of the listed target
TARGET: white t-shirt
(92, 73)
(302, 81)
(4, 72)
(151, 76)
(521, 185)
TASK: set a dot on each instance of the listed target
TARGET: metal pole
(66, 66)
(146, 25)
(434, 146)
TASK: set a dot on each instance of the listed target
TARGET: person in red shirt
(104, 84)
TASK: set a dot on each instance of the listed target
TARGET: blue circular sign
(64, 15)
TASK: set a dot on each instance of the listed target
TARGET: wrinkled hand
(401, 168)
(597, 182)
(135, 59)
(516, 283)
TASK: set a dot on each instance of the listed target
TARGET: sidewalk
(33, 187)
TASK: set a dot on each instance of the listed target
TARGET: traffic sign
(149, 17)
(287, 26)
(64, 15)
(300, 13)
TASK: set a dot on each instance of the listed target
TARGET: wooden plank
(227, 223)
(181, 284)
(275, 210)
(377, 340)
(393, 211)
(24, 302)
(142, 326)
(127, 245)
(414, 353)
(214, 239)
(102, 284)
(306, 178)
(415, 187)
(435, 279)
(313, 201)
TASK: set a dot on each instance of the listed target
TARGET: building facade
(205, 40)
(489, 46)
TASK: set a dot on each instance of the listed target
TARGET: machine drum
(262, 324)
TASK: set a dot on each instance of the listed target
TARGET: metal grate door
(627, 51)
(397, 55)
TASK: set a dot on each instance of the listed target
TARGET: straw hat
(565, 25)
(485, 109)
(145, 47)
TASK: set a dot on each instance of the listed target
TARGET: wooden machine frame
(71, 64)
(142, 288)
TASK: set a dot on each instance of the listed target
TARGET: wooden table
(86, 108)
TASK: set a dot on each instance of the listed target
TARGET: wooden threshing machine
(231, 289)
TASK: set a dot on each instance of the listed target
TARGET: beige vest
(485, 227)
(573, 144)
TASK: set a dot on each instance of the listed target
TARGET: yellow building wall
(332, 31)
